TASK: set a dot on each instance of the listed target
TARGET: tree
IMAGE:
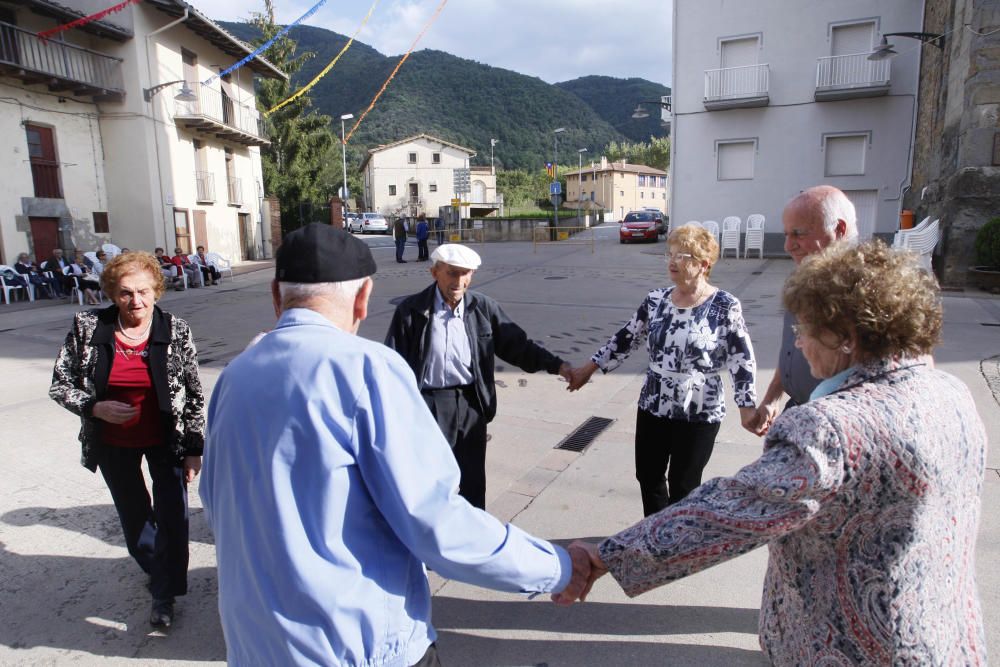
(302, 143)
(655, 154)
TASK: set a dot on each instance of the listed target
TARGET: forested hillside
(614, 100)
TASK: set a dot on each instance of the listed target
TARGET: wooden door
(182, 231)
(44, 166)
(200, 230)
(246, 234)
(44, 237)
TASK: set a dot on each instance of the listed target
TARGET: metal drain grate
(585, 433)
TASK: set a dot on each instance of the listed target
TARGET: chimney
(604, 162)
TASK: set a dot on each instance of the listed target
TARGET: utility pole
(493, 142)
(554, 189)
(579, 153)
(343, 152)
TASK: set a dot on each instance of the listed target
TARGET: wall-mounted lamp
(186, 94)
(640, 111)
(884, 49)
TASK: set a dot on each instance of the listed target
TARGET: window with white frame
(392, 190)
(411, 158)
(844, 154)
(642, 180)
(735, 159)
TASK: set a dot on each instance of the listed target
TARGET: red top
(130, 382)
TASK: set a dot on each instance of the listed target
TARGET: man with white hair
(450, 337)
(328, 485)
(813, 219)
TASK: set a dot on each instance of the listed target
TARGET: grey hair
(834, 205)
(341, 292)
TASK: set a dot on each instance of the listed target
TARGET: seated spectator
(170, 271)
(183, 263)
(87, 281)
(57, 265)
(98, 267)
(207, 270)
(26, 267)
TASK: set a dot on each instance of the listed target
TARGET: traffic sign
(462, 181)
(456, 202)
(555, 188)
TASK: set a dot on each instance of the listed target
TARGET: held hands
(758, 421)
(192, 466)
(580, 376)
(587, 568)
(114, 412)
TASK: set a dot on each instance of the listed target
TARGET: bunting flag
(45, 34)
(402, 60)
(323, 72)
(266, 45)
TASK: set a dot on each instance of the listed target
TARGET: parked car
(352, 221)
(374, 222)
(638, 226)
(661, 227)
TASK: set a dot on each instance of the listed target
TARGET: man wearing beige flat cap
(450, 337)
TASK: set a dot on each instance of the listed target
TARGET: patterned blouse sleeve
(739, 357)
(801, 469)
(67, 375)
(626, 340)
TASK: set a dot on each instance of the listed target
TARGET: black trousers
(457, 412)
(430, 658)
(422, 252)
(156, 533)
(670, 455)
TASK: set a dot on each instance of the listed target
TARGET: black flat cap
(320, 253)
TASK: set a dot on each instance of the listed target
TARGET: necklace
(697, 297)
(140, 337)
(129, 353)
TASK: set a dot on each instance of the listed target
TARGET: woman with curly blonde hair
(130, 371)
(867, 496)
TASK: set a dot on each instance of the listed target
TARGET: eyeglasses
(800, 330)
(679, 256)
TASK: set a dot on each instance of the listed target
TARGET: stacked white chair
(899, 240)
(730, 235)
(922, 240)
(755, 235)
(111, 250)
(713, 227)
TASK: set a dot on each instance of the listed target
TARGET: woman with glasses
(694, 333)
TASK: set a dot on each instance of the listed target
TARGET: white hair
(340, 292)
(833, 206)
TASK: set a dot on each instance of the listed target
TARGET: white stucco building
(417, 175)
(99, 150)
(769, 99)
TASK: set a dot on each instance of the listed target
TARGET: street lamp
(579, 155)
(186, 94)
(640, 111)
(555, 170)
(884, 49)
(493, 142)
(343, 152)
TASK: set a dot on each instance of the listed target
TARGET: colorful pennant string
(266, 45)
(402, 60)
(302, 91)
(45, 34)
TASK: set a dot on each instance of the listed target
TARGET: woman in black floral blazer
(694, 332)
(130, 371)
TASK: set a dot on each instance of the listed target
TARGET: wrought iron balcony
(734, 87)
(63, 67)
(205, 184)
(217, 114)
(852, 75)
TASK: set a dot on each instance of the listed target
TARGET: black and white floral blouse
(689, 349)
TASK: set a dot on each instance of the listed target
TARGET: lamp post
(343, 152)
(884, 49)
(493, 142)
(579, 155)
(186, 94)
(555, 170)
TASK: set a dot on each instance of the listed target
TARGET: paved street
(71, 595)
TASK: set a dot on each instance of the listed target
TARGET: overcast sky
(554, 40)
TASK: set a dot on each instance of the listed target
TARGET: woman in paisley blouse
(130, 371)
(694, 332)
(867, 496)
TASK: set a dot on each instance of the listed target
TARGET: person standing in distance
(399, 235)
(812, 220)
(450, 337)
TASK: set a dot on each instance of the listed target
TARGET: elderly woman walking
(694, 332)
(868, 495)
(130, 371)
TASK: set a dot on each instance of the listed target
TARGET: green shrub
(988, 244)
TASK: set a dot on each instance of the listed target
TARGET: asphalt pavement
(69, 593)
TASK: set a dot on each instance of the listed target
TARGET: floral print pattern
(689, 349)
(868, 500)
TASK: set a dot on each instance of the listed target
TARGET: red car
(638, 226)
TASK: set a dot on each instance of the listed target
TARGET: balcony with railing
(235, 192)
(205, 184)
(64, 68)
(217, 114)
(849, 76)
(736, 87)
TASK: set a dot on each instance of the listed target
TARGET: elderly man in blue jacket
(323, 506)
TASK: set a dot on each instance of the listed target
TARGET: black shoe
(401, 261)
(163, 613)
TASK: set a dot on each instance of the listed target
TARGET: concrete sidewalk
(70, 593)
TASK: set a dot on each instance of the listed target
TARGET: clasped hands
(587, 568)
(577, 377)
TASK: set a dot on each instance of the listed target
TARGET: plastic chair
(193, 258)
(713, 227)
(922, 240)
(111, 250)
(755, 235)
(9, 289)
(730, 235)
(220, 263)
(899, 240)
